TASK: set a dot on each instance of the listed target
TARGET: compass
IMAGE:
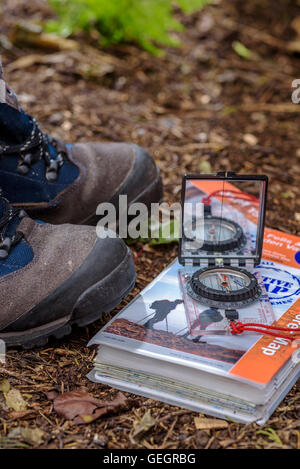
(232, 287)
(219, 253)
(219, 234)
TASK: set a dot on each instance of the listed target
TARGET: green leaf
(188, 6)
(160, 233)
(167, 233)
(241, 50)
(229, 110)
(147, 23)
(87, 418)
(271, 434)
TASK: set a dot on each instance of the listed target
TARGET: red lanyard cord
(239, 328)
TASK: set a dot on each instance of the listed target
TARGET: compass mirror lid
(223, 218)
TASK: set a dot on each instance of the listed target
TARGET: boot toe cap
(105, 273)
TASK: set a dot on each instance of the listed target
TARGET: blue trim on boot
(19, 256)
(32, 187)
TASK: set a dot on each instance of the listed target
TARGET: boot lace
(8, 214)
(34, 149)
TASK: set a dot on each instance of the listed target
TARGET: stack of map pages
(146, 349)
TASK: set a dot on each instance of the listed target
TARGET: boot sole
(98, 297)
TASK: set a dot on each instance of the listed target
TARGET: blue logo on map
(282, 286)
(297, 257)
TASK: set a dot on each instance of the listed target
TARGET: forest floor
(200, 108)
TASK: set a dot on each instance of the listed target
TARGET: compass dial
(217, 285)
(224, 280)
(218, 230)
(219, 234)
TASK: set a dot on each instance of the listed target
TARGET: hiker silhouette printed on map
(205, 319)
(162, 309)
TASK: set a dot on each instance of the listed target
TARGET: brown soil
(193, 110)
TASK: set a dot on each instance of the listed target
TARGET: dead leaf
(250, 139)
(91, 72)
(25, 62)
(143, 425)
(14, 400)
(36, 59)
(4, 385)
(33, 436)
(205, 167)
(82, 407)
(51, 395)
(295, 24)
(22, 414)
(29, 34)
(294, 46)
(202, 423)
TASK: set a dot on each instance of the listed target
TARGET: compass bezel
(230, 244)
(208, 295)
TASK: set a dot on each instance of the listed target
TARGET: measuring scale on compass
(223, 219)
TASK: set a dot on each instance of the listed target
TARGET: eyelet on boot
(5, 248)
(3, 254)
(60, 159)
(51, 172)
(22, 214)
(23, 168)
(38, 143)
(28, 159)
(25, 164)
(3, 148)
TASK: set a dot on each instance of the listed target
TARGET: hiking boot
(52, 277)
(64, 183)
